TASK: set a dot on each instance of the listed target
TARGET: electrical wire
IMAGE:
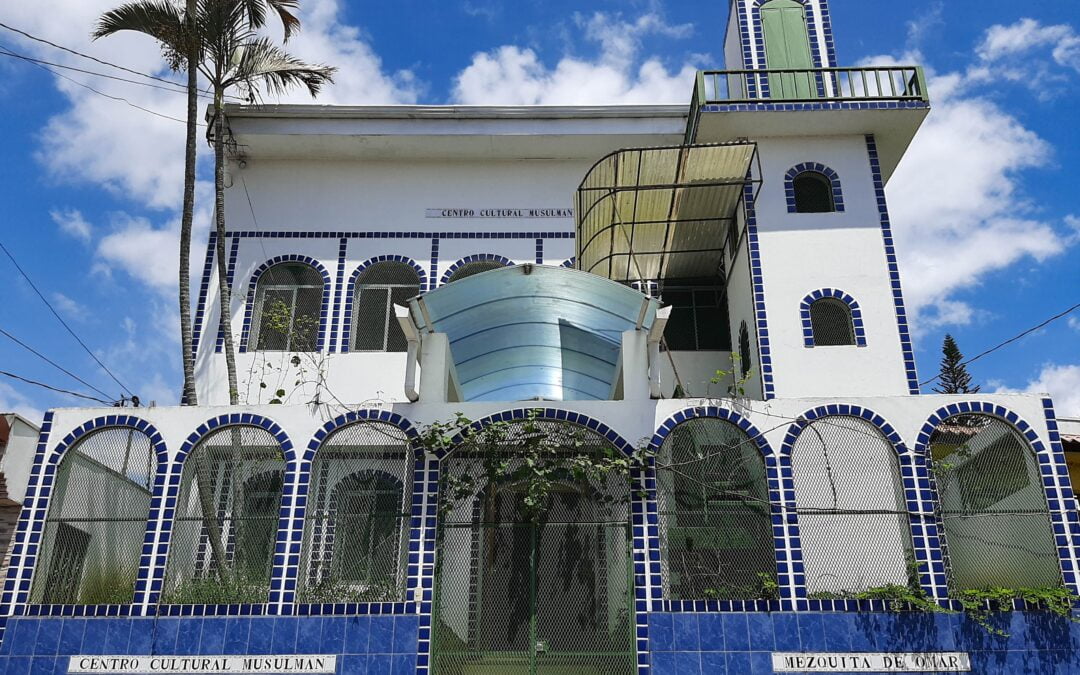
(61, 320)
(52, 388)
(996, 347)
(50, 361)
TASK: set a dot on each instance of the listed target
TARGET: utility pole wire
(1027, 332)
(52, 388)
(50, 361)
(61, 320)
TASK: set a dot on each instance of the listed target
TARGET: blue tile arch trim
(350, 291)
(816, 167)
(853, 306)
(343, 248)
(28, 538)
(918, 494)
(1056, 484)
(570, 263)
(479, 257)
(204, 290)
(757, 283)
(249, 304)
(417, 487)
(894, 268)
(645, 536)
(289, 495)
(781, 499)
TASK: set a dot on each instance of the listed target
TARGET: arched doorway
(527, 583)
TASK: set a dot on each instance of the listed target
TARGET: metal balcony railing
(816, 85)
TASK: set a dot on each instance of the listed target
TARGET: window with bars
(699, 315)
(813, 193)
(288, 306)
(378, 289)
(469, 269)
(223, 535)
(357, 524)
(93, 534)
(715, 515)
(830, 319)
(853, 516)
(992, 505)
(745, 357)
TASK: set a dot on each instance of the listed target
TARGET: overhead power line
(61, 320)
(1011, 340)
(52, 388)
(52, 363)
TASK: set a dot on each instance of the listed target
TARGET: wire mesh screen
(226, 523)
(992, 505)
(831, 322)
(378, 289)
(469, 269)
(288, 303)
(356, 530)
(94, 530)
(699, 319)
(524, 590)
(715, 517)
(853, 517)
(813, 193)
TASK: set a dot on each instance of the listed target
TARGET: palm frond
(262, 65)
(256, 12)
(160, 19)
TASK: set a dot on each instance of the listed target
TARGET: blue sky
(984, 208)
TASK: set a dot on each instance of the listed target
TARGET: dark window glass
(744, 351)
(469, 269)
(813, 193)
(699, 315)
(831, 321)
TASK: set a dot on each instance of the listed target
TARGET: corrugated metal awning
(660, 213)
(530, 331)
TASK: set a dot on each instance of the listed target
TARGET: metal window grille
(378, 289)
(745, 358)
(288, 305)
(469, 269)
(853, 517)
(226, 523)
(715, 516)
(813, 193)
(830, 320)
(699, 317)
(93, 534)
(992, 505)
(551, 594)
(356, 530)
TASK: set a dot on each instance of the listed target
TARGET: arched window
(993, 506)
(93, 535)
(830, 319)
(745, 358)
(356, 525)
(476, 267)
(288, 303)
(715, 518)
(222, 546)
(378, 288)
(813, 193)
(853, 518)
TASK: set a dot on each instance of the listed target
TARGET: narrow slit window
(813, 193)
(831, 322)
(288, 305)
(378, 289)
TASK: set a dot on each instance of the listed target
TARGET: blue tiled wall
(365, 645)
(741, 643)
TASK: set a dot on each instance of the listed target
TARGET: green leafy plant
(230, 588)
(332, 589)
(107, 587)
(980, 603)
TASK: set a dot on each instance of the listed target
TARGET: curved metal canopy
(531, 331)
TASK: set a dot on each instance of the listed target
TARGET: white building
(578, 275)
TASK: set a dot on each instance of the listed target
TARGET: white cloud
(72, 223)
(68, 306)
(513, 74)
(1062, 382)
(11, 400)
(146, 253)
(1074, 323)
(1026, 35)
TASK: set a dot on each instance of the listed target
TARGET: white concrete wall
(804, 252)
(18, 457)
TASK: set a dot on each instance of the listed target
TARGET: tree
(954, 377)
(221, 38)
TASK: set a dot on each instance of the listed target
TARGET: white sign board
(871, 662)
(481, 212)
(151, 665)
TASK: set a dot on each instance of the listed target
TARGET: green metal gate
(536, 598)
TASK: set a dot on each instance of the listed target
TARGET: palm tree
(217, 38)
